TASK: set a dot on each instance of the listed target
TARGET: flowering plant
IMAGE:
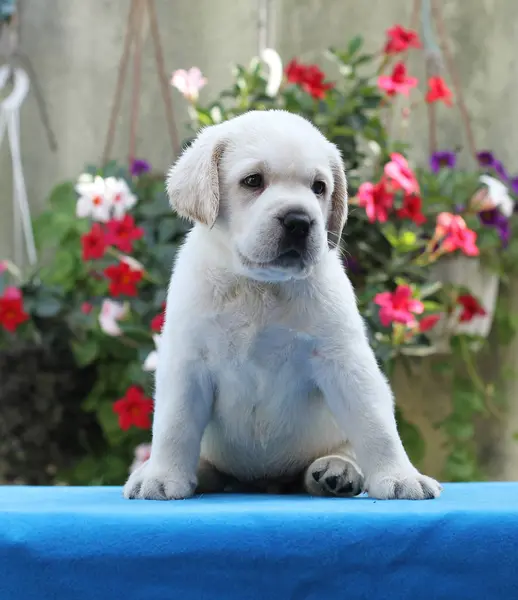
(113, 240)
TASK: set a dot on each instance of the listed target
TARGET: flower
(3, 266)
(514, 185)
(111, 313)
(189, 83)
(398, 82)
(400, 40)
(121, 233)
(274, 63)
(485, 158)
(138, 167)
(500, 170)
(134, 408)
(123, 279)
(376, 199)
(398, 306)
(401, 175)
(12, 314)
(470, 308)
(151, 362)
(438, 91)
(444, 158)
(94, 243)
(428, 322)
(494, 218)
(86, 308)
(119, 195)
(93, 201)
(142, 454)
(309, 77)
(498, 195)
(157, 322)
(412, 209)
(453, 233)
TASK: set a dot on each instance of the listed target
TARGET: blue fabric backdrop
(90, 544)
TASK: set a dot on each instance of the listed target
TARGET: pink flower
(397, 82)
(142, 454)
(189, 83)
(111, 313)
(86, 308)
(3, 266)
(398, 306)
(376, 199)
(12, 293)
(401, 175)
(453, 234)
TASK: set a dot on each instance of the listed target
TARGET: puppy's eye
(253, 181)
(318, 188)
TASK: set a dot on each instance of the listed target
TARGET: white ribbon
(10, 122)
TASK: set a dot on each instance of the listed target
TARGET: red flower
(428, 322)
(398, 306)
(438, 90)
(309, 77)
(400, 40)
(11, 309)
(453, 233)
(400, 174)
(86, 308)
(123, 279)
(470, 308)
(122, 233)
(94, 243)
(376, 199)
(134, 408)
(398, 82)
(157, 322)
(412, 210)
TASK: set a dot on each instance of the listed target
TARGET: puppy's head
(271, 184)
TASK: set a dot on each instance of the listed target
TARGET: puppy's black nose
(297, 224)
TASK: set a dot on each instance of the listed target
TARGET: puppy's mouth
(288, 264)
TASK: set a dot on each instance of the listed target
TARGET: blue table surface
(90, 543)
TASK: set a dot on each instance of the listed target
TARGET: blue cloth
(90, 544)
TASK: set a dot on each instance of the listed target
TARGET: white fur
(264, 368)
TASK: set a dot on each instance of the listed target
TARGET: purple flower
(139, 166)
(494, 218)
(500, 170)
(486, 158)
(445, 158)
(514, 185)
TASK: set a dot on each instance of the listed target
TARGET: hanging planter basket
(482, 283)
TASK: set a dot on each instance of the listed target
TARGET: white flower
(142, 454)
(133, 263)
(111, 313)
(189, 83)
(151, 361)
(274, 62)
(499, 195)
(93, 200)
(119, 196)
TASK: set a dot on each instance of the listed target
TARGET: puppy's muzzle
(296, 230)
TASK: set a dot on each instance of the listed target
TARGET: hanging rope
(133, 38)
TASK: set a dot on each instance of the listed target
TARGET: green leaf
(47, 306)
(354, 45)
(63, 199)
(86, 352)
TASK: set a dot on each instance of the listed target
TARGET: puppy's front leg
(184, 398)
(361, 400)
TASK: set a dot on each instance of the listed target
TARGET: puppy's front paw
(150, 483)
(333, 476)
(408, 485)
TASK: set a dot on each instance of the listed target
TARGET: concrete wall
(75, 47)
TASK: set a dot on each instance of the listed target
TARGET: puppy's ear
(193, 181)
(338, 210)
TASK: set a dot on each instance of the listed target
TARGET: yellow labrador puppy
(265, 373)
